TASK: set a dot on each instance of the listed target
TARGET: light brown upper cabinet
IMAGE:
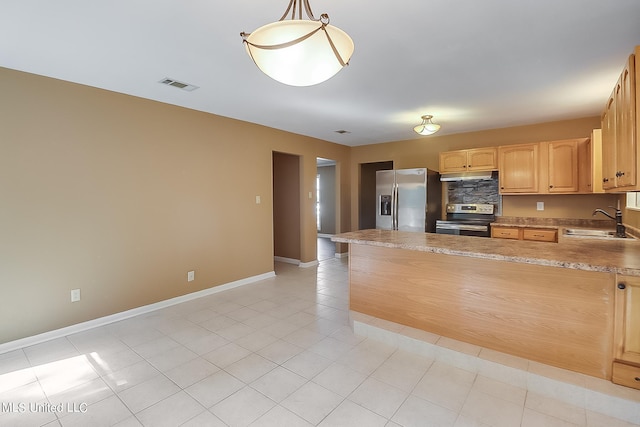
(620, 160)
(477, 159)
(519, 167)
(563, 166)
(550, 167)
(590, 164)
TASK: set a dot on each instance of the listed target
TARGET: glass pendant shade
(426, 127)
(299, 52)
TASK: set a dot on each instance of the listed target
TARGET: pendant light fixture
(299, 52)
(427, 127)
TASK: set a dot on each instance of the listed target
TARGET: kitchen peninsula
(548, 302)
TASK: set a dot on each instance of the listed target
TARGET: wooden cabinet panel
(519, 168)
(505, 232)
(625, 127)
(453, 161)
(558, 316)
(477, 159)
(627, 319)
(609, 144)
(590, 163)
(554, 167)
(626, 375)
(525, 233)
(482, 159)
(540, 235)
(563, 166)
(620, 159)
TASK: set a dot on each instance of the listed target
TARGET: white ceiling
(472, 64)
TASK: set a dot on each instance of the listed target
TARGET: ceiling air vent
(180, 85)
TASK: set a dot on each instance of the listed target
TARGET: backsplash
(474, 191)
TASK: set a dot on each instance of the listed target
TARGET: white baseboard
(286, 260)
(342, 255)
(112, 318)
(296, 262)
(325, 235)
(308, 264)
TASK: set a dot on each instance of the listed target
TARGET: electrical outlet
(540, 206)
(191, 276)
(75, 295)
(258, 200)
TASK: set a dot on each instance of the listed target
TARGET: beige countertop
(620, 256)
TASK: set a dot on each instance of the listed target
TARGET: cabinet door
(627, 319)
(482, 159)
(609, 144)
(563, 166)
(518, 168)
(453, 161)
(626, 127)
(585, 165)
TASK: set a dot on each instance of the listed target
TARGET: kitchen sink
(590, 232)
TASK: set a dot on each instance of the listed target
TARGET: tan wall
(424, 151)
(121, 197)
(631, 217)
(568, 206)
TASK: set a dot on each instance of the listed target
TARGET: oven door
(463, 230)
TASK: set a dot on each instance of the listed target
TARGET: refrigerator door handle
(395, 207)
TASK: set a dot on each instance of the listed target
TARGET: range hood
(465, 176)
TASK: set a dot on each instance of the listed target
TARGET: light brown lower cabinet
(626, 367)
(525, 233)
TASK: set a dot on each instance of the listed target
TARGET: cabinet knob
(605, 179)
(551, 186)
(622, 286)
(637, 379)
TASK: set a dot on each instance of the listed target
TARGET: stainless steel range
(467, 220)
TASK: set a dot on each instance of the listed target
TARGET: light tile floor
(280, 352)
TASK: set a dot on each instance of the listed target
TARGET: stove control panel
(470, 208)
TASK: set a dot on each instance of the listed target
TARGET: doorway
(367, 199)
(325, 207)
(286, 207)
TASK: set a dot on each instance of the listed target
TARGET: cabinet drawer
(541, 235)
(626, 375)
(505, 233)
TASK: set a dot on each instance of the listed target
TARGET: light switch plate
(540, 206)
(75, 295)
(191, 276)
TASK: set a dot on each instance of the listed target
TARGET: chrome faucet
(620, 229)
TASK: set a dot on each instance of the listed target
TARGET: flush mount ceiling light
(299, 52)
(427, 127)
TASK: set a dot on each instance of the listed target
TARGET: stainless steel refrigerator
(408, 199)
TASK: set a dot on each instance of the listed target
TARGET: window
(633, 201)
